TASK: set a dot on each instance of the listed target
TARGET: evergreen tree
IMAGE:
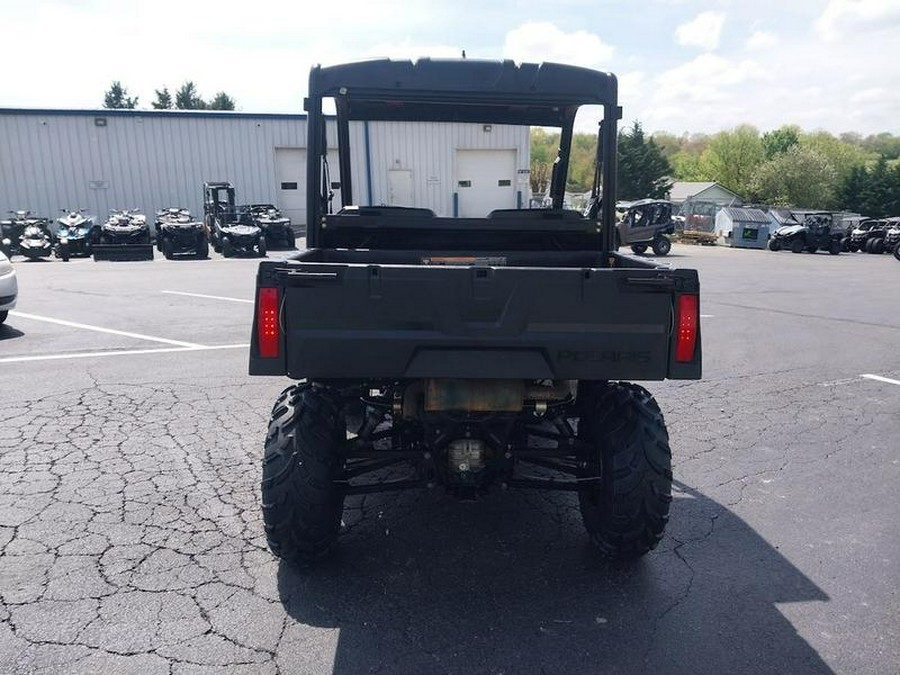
(643, 170)
(187, 98)
(222, 101)
(117, 97)
(163, 99)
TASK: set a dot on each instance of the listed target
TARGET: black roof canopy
(462, 90)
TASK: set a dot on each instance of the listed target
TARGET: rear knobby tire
(627, 446)
(301, 503)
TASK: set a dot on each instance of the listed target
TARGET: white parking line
(879, 378)
(209, 297)
(707, 316)
(123, 352)
(72, 324)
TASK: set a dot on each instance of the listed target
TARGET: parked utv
(811, 232)
(892, 236)
(468, 353)
(230, 228)
(73, 234)
(36, 241)
(276, 228)
(866, 232)
(12, 229)
(124, 236)
(646, 223)
(178, 234)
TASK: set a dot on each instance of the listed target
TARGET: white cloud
(762, 40)
(843, 17)
(543, 41)
(706, 92)
(703, 31)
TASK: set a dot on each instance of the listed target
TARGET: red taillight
(268, 332)
(688, 323)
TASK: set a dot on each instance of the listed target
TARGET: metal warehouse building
(112, 159)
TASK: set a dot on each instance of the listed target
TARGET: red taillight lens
(268, 332)
(688, 324)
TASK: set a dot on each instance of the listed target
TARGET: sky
(684, 66)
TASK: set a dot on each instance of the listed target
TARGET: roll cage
(488, 92)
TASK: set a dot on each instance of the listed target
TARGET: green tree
(643, 170)
(222, 101)
(880, 194)
(778, 141)
(799, 177)
(188, 98)
(733, 157)
(117, 97)
(163, 99)
(687, 166)
(851, 194)
(843, 156)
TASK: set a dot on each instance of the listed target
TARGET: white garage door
(485, 180)
(290, 172)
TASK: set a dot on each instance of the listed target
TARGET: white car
(9, 288)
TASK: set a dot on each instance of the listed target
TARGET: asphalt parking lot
(130, 444)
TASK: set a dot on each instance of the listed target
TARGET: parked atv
(276, 227)
(178, 233)
(892, 237)
(230, 228)
(12, 229)
(812, 232)
(36, 241)
(124, 236)
(865, 232)
(646, 223)
(73, 234)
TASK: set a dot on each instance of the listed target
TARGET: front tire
(227, 249)
(877, 246)
(661, 246)
(797, 246)
(897, 251)
(627, 448)
(774, 245)
(261, 247)
(168, 249)
(301, 503)
(3, 315)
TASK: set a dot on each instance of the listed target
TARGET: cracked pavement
(131, 538)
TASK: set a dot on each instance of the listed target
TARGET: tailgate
(363, 321)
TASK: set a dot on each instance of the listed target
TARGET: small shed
(743, 228)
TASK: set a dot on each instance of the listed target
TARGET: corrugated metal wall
(53, 161)
(149, 160)
(429, 151)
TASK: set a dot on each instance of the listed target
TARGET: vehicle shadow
(509, 585)
(7, 332)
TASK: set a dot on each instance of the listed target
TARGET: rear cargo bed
(402, 314)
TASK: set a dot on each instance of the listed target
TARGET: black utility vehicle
(892, 236)
(230, 228)
(468, 352)
(177, 234)
(124, 236)
(646, 223)
(865, 233)
(811, 231)
(276, 227)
